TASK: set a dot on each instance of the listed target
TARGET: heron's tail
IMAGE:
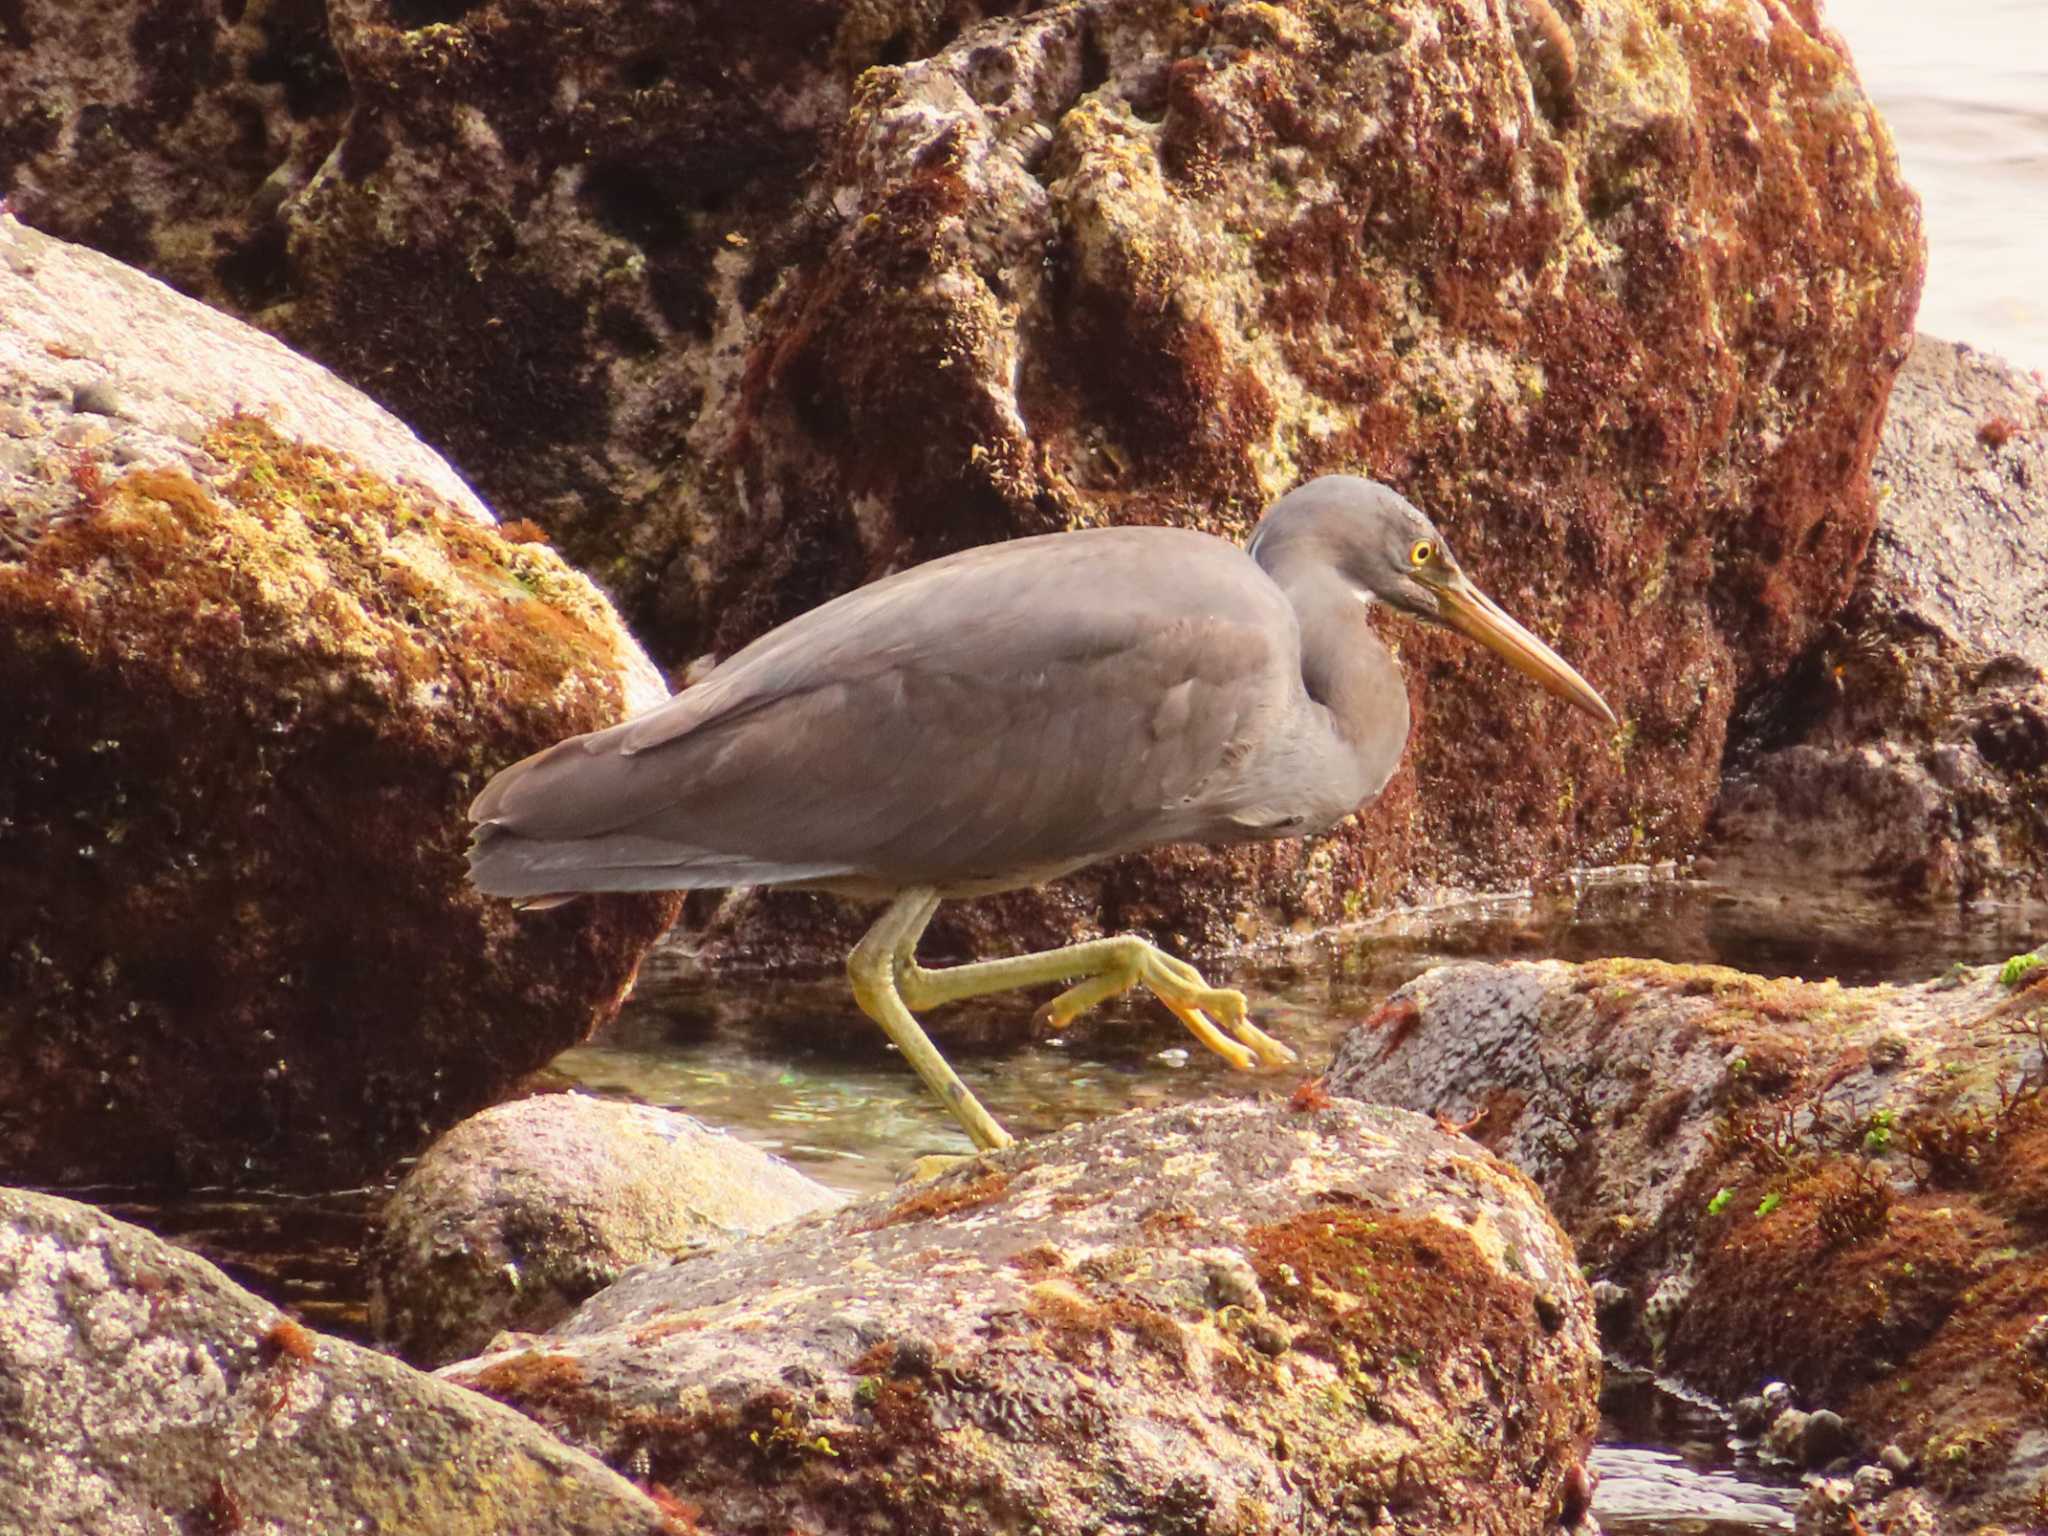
(540, 872)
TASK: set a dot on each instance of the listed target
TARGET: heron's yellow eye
(1422, 553)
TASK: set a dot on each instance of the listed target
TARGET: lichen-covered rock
(1616, 294)
(261, 649)
(142, 1392)
(1868, 1225)
(527, 1209)
(1910, 745)
(1218, 1318)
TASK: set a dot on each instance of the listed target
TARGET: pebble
(99, 398)
(2035, 1340)
(1786, 1438)
(1895, 1461)
(1871, 1483)
(1614, 1308)
(1824, 1437)
(1749, 1415)
(1660, 1312)
(1888, 1050)
(1822, 1511)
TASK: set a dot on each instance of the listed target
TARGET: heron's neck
(1348, 670)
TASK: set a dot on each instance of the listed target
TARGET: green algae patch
(2021, 969)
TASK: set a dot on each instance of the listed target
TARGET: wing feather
(1025, 705)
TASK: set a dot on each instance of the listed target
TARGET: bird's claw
(1193, 1001)
(1197, 1004)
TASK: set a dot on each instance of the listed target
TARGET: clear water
(790, 1064)
(1667, 1467)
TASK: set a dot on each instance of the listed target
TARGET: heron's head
(1381, 547)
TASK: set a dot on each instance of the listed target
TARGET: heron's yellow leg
(1102, 969)
(872, 969)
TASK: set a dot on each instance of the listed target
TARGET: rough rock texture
(1615, 294)
(1219, 1318)
(1911, 743)
(1845, 1189)
(142, 1392)
(523, 1211)
(261, 649)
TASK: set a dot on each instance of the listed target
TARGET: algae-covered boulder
(1910, 745)
(142, 1391)
(261, 649)
(1219, 1318)
(529, 1208)
(1844, 1189)
(748, 305)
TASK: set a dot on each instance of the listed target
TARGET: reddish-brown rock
(1841, 1188)
(1614, 292)
(1234, 1319)
(262, 647)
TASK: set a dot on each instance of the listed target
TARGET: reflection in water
(301, 1252)
(1665, 1466)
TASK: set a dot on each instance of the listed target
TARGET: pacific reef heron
(1004, 716)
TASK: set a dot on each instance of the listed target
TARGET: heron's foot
(1186, 993)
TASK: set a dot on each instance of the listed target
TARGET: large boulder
(1844, 1189)
(142, 1391)
(749, 305)
(261, 649)
(1218, 1318)
(1910, 745)
(524, 1211)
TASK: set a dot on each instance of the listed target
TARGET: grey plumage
(1023, 708)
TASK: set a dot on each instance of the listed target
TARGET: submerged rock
(142, 1391)
(521, 1212)
(1911, 743)
(262, 647)
(1873, 1232)
(1215, 1318)
(747, 306)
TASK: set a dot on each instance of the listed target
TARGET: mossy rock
(252, 683)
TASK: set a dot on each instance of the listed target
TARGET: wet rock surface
(1843, 1190)
(746, 306)
(1911, 743)
(1218, 1318)
(521, 1212)
(145, 1392)
(262, 648)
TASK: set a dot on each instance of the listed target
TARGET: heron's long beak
(1472, 613)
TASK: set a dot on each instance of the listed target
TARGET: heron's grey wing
(1032, 704)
